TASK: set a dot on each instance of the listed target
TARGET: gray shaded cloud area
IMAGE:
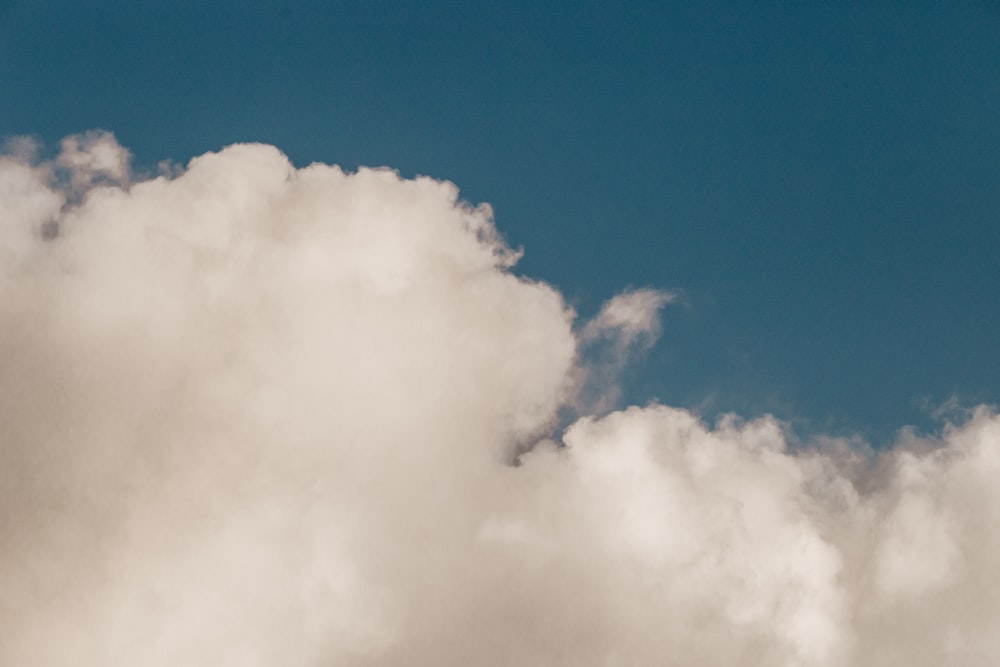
(254, 415)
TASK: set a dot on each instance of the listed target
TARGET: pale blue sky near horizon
(819, 181)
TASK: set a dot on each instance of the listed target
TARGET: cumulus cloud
(258, 415)
(92, 157)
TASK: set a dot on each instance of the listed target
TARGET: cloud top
(256, 415)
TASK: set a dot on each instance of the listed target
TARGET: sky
(818, 181)
(396, 333)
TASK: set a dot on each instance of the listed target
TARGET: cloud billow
(258, 415)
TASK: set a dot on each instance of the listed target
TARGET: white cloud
(626, 326)
(90, 158)
(258, 415)
(632, 317)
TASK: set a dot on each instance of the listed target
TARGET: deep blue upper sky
(822, 180)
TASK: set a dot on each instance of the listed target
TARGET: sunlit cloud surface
(258, 415)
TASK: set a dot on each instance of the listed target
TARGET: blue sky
(821, 182)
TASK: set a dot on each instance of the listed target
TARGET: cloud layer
(257, 415)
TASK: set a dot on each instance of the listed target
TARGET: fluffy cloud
(259, 415)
